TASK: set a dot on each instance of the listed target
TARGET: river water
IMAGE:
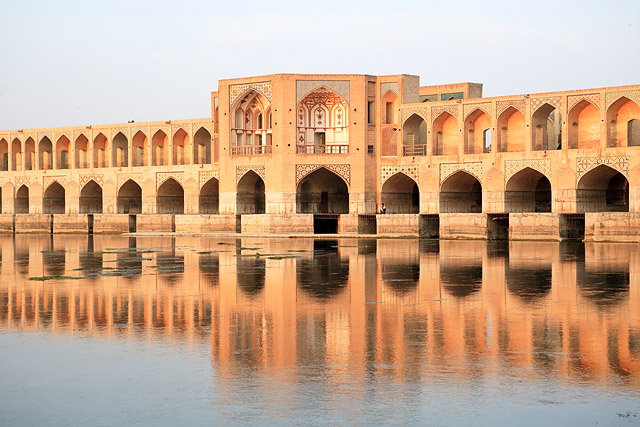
(111, 330)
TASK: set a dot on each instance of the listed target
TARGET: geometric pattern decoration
(344, 171)
(387, 171)
(124, 177)
(451, 109)
(611, 97)
(16, 136)
(184, 126)
(539, 102)
(241, 170)
(115, 131)
(405, 113)
(21, 180)
(511, 167)
(518, 104)
(486, 107)
(48, 180)
(448, 169)
(78, 132)
(593, 98)
(263, 88)
(385, 87)
(99, 179)
(48, 134)
(164, 128)
(205, 125)
(585, 164)
(136, 129)
(341, 87)
(206, 176)
(161, 177)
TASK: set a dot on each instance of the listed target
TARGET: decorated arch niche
(4, 154)
(100, 151)
(81, 152)
(445, 135)
(45, 151)
(546, 129)
(21, 201)
(512, 131)
(63, 146)
(461, 193)
(322, 191)
(528, 191)
(323, 123)
(170, 198)
(139, 149)
(180, 147)
(623, 123)
(584, 125)
(209, 198)
(414, 136)
(400, 195)
(129, 199)
(477, 132)
(160, 149)
(53, 201)
(16, 161)
(120, 151)
(603, 189)
(389, 108)
(250, 125)
(91, 198)
(202, 147)
(250, 196)
(30, 154)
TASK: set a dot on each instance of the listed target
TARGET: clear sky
(67, 62)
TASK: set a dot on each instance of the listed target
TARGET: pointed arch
(476, 125)
(389, 102)
(528, 191)
(100, 146)
(21, 201)
(414, 136)
(170, 198)
(30, 154)
(512, 130)
(323, 122)
(602, 189)
(584, 125)
(16, 149)
(120, 151)
(139, 149)
(209, 198)
(322, 191)
(400, 195)
(619, 116)
(53, 201)
(248, 127)
(160, 149)
(461, 192)
(91, 198)
(180, 147)
(4, 154)
(63, 149)
(202, 146)
(250, 194)
(445, 134)
(81, 152)
(546, 128)
(129, 200)
(45, 154)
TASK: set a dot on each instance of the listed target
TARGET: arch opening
(202, 147)
(528, 191)
(139, 149)
(250, 196)
(400, 195)
(322, 191)
(170, 198)
(120, 151)
(91, 198)
(82, 152)
(461, 193)
(584, 126)
(414, 136)
(512, 131)
(45, 151)
(160, 149)
(603, 189)
(4, 155)
(476, 127)
(209, 199)
(53, 201)
(100, 151)
(323, 123)
(30, 154)
(445, 135)
(129, 198)
(546, 129)
(21, 201)
(622, 127)
(16, 161)
(180, 148)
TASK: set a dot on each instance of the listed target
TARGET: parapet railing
(323, 149)
(250, 150)
(414, 150)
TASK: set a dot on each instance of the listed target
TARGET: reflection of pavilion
(462, 306)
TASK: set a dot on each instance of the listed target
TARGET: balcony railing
(250, 150)
(414, 150)
(323, 149)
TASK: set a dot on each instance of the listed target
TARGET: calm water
(115, 330)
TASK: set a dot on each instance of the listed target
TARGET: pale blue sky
(70, 62)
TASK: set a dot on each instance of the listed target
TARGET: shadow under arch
(129, 199)
(250, 197)
(603, 189)
(528, 191)
(322, 191)
(170, 198)
(401, 195)
(461, 193)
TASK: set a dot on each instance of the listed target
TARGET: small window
(371, 112)
(370, 149)
(389, 111)
(259, 120)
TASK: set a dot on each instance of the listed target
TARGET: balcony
(323, 149)
(414, 150)
(250, 150)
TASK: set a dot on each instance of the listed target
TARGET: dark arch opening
(91, 198)
(250, 198)
(130, 198)
(53, 201)
(209, 199)
(21, 202)
(603, 189)
(528, 191)
(322, 192)
(400, 194)
(170, 198)
(461, 193)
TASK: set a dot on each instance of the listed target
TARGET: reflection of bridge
(279, 149)
(271, 312)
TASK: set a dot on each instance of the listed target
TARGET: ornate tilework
(408, 112)
(539, 102)
(123, 130)
(206, 176)
(593, 98)
(344, 171)
(341, 87)
(586, 164)
(470, 108)
(48, 134)
(611, 97)
(84, 179)
(184, 126)
(436, 111)
(22, 180)
(512, 167)
(124, 177)
(263, 88)
(136, 129)
(61, 134)
(387, 171)
(48, 180)
(448, 169)
(197, 125)
(161, 177)
(78, 132)
(518, 104)
(241, 170)
(16, 136)
(163, 128)
(385, 87)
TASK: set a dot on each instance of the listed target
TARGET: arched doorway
(45, 150)
(130, 198)
(21, 202)
(322, 192)
(323, 123)
(461, 193)
(603, 189)
(170, 198)
(62, 152)
(250, 197)
(53, 201)
(400, 195)
(160, 149)
(528, 191)
(202, 147)
(120, 151)
(180, 147)
(91, 198)
(209, 199)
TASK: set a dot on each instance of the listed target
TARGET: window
(371, 112)
(320, 138)
(389, 111)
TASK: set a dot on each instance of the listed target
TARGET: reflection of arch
(512, 131)
(120, 151)
(326, 274)
(209, 266)
(545, 128)
(250, 196)
(322, 191)
(21, 202)
(476, 126)
(619, 114)
(604, 288)
(462, 193)
(603, 189)
(170, 198)
(130, 198)
(461, 280)
(400, 194)
(250, 274)
(445, 134)
(53, 201)
(528, 191)
(209, 199)
(91, 198)
(400, 277)
(584, 125)
(529, 284)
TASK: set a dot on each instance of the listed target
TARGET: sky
(68, 63)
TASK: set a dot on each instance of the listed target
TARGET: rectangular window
(370, 149)
(319, 138)
(371, 112)
(389, 113)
